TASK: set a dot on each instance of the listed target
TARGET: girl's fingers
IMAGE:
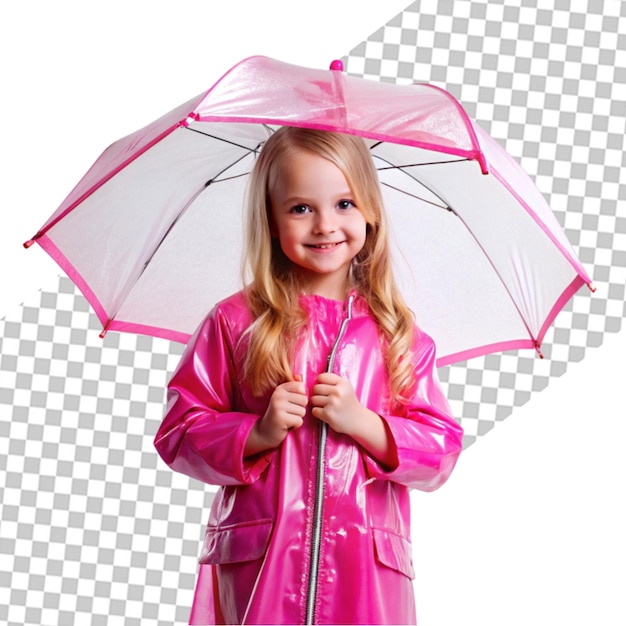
(296, 409)
(319, 401)
(299, 399)
(322, 390)
(293, 390)
(328, 378)
(318, 413)
(295, 386)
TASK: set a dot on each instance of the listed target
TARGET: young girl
(311, 398)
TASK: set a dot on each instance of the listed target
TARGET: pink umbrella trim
(517, 344)
(101, 182)
(107, 324)
(580, 270)
(50, 247)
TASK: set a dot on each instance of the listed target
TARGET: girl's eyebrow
(342, 195)
(295, 200)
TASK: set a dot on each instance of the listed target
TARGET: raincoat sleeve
(202, 435)
(428, 440)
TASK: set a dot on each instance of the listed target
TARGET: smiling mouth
(324, 246)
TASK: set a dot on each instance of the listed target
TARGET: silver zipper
(316, 536)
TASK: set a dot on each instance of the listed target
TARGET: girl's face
(316, 220)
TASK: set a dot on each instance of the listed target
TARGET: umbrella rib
(225, 179)
(194, 197)
(439, 206)
(230, 165)
(469, 230)
(391, 166)
(248, 152)
(497, 273)
(444, 204)
(401, 167)
(232, 143)
(131, 284)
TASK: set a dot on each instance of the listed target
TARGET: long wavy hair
(274, 290)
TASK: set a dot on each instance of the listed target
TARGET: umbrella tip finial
(337, 65)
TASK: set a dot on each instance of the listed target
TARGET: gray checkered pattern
(94, 528)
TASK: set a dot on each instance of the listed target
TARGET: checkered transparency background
(94, 528)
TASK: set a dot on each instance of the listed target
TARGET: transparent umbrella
(152, 234)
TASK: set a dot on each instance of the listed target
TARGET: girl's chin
(333, 286)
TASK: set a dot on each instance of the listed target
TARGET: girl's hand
(334, 402)
(286, 410)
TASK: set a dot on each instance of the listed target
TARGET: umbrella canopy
(152, 234)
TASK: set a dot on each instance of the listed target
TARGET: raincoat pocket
(236, 543)
(393, 551)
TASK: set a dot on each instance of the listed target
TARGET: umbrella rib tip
(105, 329)
(337, 65)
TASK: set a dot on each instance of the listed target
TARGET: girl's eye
(299, 209)
(345, 204)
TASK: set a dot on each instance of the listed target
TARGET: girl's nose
(325, 221)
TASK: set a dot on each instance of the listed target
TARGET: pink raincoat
(280, 547)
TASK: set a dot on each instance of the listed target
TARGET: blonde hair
(274, 290)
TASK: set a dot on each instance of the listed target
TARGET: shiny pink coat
(256, 560)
